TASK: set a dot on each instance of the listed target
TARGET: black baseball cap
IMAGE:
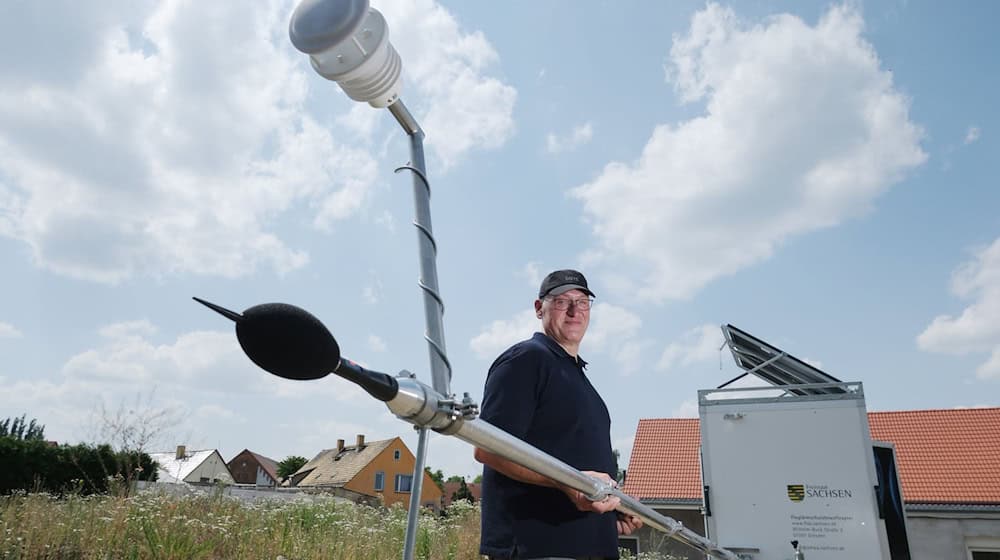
(562, 281)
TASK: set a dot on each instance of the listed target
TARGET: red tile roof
(943, 456)
(664, 461)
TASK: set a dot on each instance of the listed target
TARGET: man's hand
(581, 502)
(628, 523)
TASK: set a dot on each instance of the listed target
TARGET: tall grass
(156, 526)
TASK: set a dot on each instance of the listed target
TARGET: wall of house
(364, 482)
(938, 537)
(651, 540)
(213, 468)
(264, 479)
(247, 470)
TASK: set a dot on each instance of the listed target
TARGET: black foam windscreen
(287, 341)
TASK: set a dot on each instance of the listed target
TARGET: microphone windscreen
(287, 341)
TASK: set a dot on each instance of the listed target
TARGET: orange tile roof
(664, 461)
(943, 456)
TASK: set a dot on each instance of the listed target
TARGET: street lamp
(348, 42)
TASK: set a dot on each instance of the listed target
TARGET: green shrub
(34, 465)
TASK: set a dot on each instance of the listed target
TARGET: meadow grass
(157, 526)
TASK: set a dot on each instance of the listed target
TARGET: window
(983, 548)
(379, 481)
(395, 455)
(404, 482)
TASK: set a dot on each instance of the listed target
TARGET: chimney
(340, 445)
(180, 451)
(361, 442)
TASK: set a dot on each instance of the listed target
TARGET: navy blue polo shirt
(537, 392)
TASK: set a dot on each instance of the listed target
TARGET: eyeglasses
(562, 304)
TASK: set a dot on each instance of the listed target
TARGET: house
(450, 488)
(204, 466)
(948, 463)
(367, 472)
(248, 467)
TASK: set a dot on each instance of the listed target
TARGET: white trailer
(791, 468)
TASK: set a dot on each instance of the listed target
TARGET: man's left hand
(628, 523)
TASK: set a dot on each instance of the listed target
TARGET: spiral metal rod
(428, 282)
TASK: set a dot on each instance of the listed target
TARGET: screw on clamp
(469, 409)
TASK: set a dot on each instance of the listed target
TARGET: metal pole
(486, 436)
(415, 488)
(433, 304)
(417, 403)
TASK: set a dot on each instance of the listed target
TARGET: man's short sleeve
(511, 393)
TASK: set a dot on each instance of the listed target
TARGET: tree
(437, 476)
(478, 479)
(463, 492)
(619, 473)
(455, 478)
(136, 426)
(290, 465)
(16, 428)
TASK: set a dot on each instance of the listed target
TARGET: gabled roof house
(948, 463)
(367, 472)
(253, 468)
(204, 466)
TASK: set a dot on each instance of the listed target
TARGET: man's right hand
(582, 503)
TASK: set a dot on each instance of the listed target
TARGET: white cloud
(154, 156)
(687, 409)
(169, 137)
(612, 330)
(610, 326)
(532, 274)
(371, 293)
(814, 363)
(464, 109)
(699, 344)
(501, 334)
(579, 136)
(209, 360)
(386, 220)
(972, 134)
(802, 130)
(9, 331)
(376, 344)
(976, 329)
(628, 356)
(206, 362)
(215, 413)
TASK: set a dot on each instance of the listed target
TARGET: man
(538, 391)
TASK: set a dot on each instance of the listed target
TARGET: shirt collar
(558, 350)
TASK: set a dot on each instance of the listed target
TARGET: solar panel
(774, 365)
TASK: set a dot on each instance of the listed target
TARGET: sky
(820, 175)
